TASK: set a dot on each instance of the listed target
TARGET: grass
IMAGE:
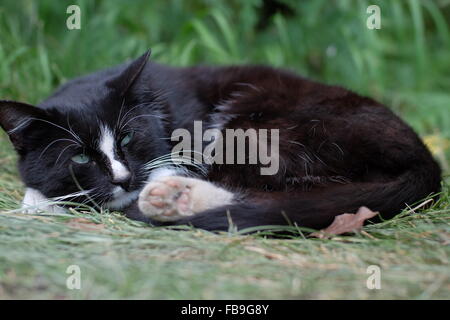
(405, 65)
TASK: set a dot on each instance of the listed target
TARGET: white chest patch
(34, 201)
(121, 199)
(107, 146)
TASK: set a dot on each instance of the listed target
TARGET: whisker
(119, 124)
(53, 142)
(71, 130)
(120, 113)
(72, 195)
(141, 116)
(49, 122)
(61, 153)
(81, 188)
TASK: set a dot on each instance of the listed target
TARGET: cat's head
(91, 136)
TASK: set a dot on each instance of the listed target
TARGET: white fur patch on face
(121, 198)
(107, 146)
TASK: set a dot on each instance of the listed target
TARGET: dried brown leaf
(347, 222)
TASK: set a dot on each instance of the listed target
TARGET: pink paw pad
(166, 199)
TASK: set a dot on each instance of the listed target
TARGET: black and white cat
(104, 139)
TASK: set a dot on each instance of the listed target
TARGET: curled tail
(317, 208)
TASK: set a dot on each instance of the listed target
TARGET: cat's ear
(126, 78)
(16, 116)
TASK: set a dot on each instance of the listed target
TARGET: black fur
(338, 150)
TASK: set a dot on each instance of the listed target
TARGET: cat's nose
(124, 182)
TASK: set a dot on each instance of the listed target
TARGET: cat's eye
(81, 158)
(126, 140)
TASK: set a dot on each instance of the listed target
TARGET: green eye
(126, 139)
(81, 158)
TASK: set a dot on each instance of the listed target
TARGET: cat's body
(337, 150)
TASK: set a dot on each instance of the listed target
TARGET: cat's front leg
(34, 201)
(173, 197)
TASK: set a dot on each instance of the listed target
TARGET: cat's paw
(166, 199)
(174, 197)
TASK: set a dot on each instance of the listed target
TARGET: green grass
(405, 65)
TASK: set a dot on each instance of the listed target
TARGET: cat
(105, 139)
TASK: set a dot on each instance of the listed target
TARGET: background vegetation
(405, 65)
